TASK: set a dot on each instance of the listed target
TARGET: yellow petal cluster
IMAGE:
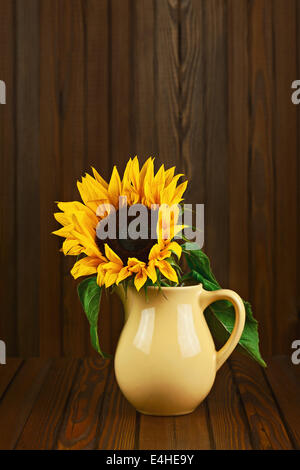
(139, 185)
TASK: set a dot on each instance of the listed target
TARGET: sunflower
(118, 259)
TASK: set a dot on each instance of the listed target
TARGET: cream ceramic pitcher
(166, 360)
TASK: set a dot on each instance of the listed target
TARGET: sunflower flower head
(144, 260)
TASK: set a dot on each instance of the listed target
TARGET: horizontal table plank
(229, 424)
(19, 399)
(192, 431)
(41, 428)
(117, 421)
(76, 404)
(175, 432)
(284, 378)
(267, 429)
(156, 432)
(7, 373)
(79, 428)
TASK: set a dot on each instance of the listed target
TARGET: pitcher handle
(208, 297)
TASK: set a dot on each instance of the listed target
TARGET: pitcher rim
(168, 288)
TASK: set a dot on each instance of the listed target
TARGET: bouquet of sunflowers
(96, 233)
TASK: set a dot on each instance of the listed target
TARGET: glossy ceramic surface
(166, 361)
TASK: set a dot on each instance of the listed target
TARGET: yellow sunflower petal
(71, 206)
(135, 265)
(62, 218)
(64, 231)
(176, 248)
(169, 175)
(167, 270)
(100, 275)
(110, 279)
(177, 197)
(135, 173)
(114, 187)
(123, 274)
(85, 267)
(112, 268)
(99, 178)
(151, 271)
(140, 279)
(71, 247)
(154, 252)
(111, 255)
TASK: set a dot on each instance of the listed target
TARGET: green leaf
(90, 295)
(220, 315)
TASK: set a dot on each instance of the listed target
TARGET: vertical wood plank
(298, 169)
(167, 81)
(72, 142)
(120, 99)
(28, 184)
(192, 98)
(143, 116)
(120, 72)
(50, 179)
(238, 135)
(216, 225)
(97, 149)
(285, 176)
(261, 169)
(8, 234)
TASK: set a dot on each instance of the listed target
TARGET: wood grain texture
(97, 124)
(19, 399)
(298, 173)
(27, 176)
(8, 258)
(117, 421)
(285, 174)
(179, 432)
(7, 374)
(40, 430)
(80, 424)
(261, 167)
(72, 145)
(76, 404)
(119, 109)
(50, 301)
(238, 138)
(143, 124)
(193, 431)
(284, 379)
(167, 81)
(192, 98)
(267, 430)
(202, 84)
(156, 432)
(229, 424)
(216, 201)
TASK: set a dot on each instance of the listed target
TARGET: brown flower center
(127, 247)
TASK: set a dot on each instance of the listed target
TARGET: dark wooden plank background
(203, 84)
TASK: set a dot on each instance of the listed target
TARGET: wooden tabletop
(76, 404)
